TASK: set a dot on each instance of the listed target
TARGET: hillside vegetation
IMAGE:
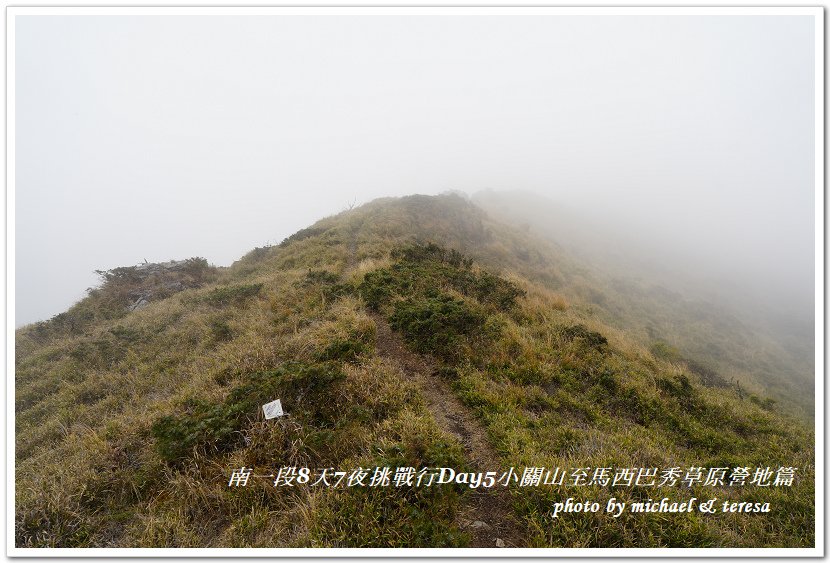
(412, 332)
(764, 342)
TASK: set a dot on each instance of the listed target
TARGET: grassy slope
(736, 340)
(128, 424)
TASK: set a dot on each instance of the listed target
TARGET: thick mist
(750, 274)
(675, 146)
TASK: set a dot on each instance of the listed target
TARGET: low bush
(436, 324)
(210, 427)
(423, 268)
(708, 376)
(221, 330)
(680, 388)
(234, 294)
(328, 283)
(343, 351)
(203, 426)
(302, 234)
(581, 334)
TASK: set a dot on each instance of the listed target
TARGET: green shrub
(378, 287)
(221, 330)
(680, 388)
(204, 426)
(233, 294)
(343, 351)
(707, 375)
(682, 391)
(436, 324)
(302, 234)
(199, 270)
(767, 404)
(210, 427)
(581, 334)
(494, 290)
(258, 254)
(431, 252)
(423, 268)
(322, 277)
(665, 351)
(126, 335)
(99, 353)
(630, 403)
(309, 388)
(606, 381)
(519, 371)
(328, 283)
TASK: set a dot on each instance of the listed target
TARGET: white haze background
(686, 139)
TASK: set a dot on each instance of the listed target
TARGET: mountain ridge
(142, 414)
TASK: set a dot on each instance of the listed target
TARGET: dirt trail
(488, 514)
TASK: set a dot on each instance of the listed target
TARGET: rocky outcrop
(149, 268)
(152, 281)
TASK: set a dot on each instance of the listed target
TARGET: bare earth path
(487, 515)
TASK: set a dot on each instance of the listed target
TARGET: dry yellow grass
(566, 376)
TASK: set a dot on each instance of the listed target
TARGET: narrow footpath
(487, 515)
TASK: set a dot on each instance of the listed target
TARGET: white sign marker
(272, 409)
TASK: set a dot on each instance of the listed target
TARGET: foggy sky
(157, 138)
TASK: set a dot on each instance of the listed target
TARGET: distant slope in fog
(721, 318)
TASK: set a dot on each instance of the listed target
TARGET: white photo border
(299, 553)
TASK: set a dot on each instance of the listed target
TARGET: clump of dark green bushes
(233, 294)
(420, 268)
(436, 323)
(582, 334)
(327, 282)
(302, 234)
(211, 427)
(708, 376)
(419, 294)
